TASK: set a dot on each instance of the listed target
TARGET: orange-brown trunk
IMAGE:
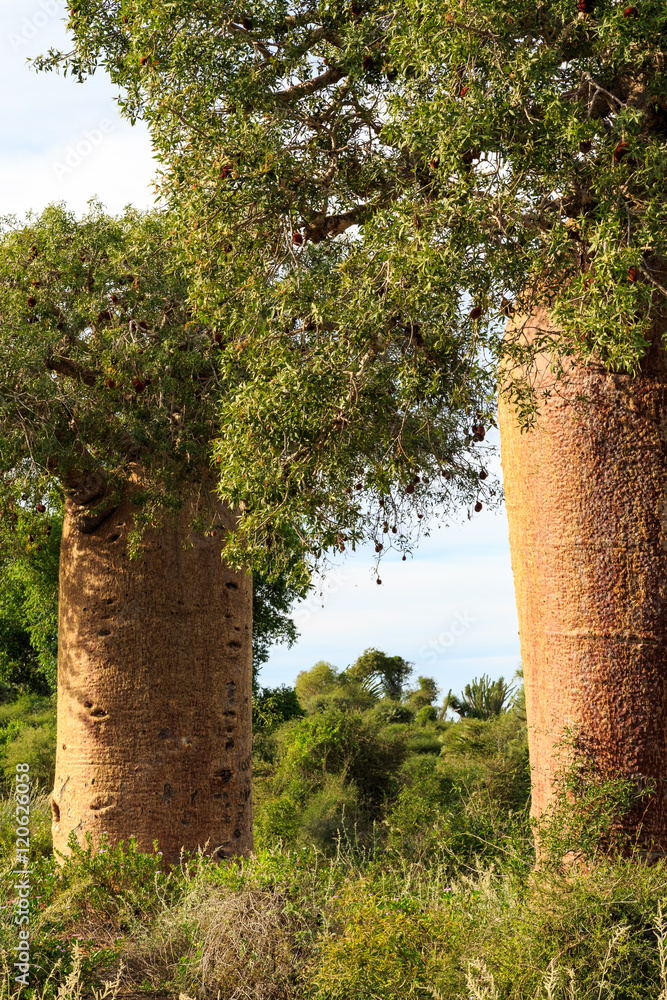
(154, 690)
(586, 496)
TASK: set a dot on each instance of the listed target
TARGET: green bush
(426, 714)
(330, 816)
(28, 735)
(36, 747)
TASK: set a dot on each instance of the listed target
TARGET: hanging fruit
(621, 150)
(297, 239)
(475, 313)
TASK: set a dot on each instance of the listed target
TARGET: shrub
(426, 714)
(389, 711)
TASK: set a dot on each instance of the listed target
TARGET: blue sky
(450, 610)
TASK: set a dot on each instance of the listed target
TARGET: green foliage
(29, 564)
(320, 679)
(272, 601)
(334, 771)
(598, 807)
(295, 925)
(355, 689)
(426, 714)
(389, 710)
(28, 735)
(482, 698)
(361, 199)
(430, 888)
(391, 671)
(424, 695)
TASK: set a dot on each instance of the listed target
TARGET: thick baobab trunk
(586, 499)
(154, 690)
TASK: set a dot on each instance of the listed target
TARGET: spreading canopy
(361, 193)
(104, 373)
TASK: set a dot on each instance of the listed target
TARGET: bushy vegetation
(394, 859)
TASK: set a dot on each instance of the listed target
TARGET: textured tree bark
(154, 690)
(586, 496)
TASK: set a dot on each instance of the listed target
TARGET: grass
(430, 891)
(354, 926)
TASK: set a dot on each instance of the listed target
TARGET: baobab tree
(108, 407)
(367, 193)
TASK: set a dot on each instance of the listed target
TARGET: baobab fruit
(394, 530)
(355, 7)
(104, 316)
(144, 60)
(420, 516)
(586, 6)
(378, 547)
(463, 91)
(297, 239)
(381, 502)
(483, 474)
(138, 385)
(403, 560)
(41, 508)
(585, 146)
(633, 274)
(114, 298)
(357, 486)
(379, 582)
(226, 170)
(630, 12)
(217, 338)
(409, 488)
(621, 150)
(478, 506)
(32, 301)
(475, 313)
(111, 384)
(247, 23)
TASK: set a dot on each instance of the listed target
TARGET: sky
(450, 610)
